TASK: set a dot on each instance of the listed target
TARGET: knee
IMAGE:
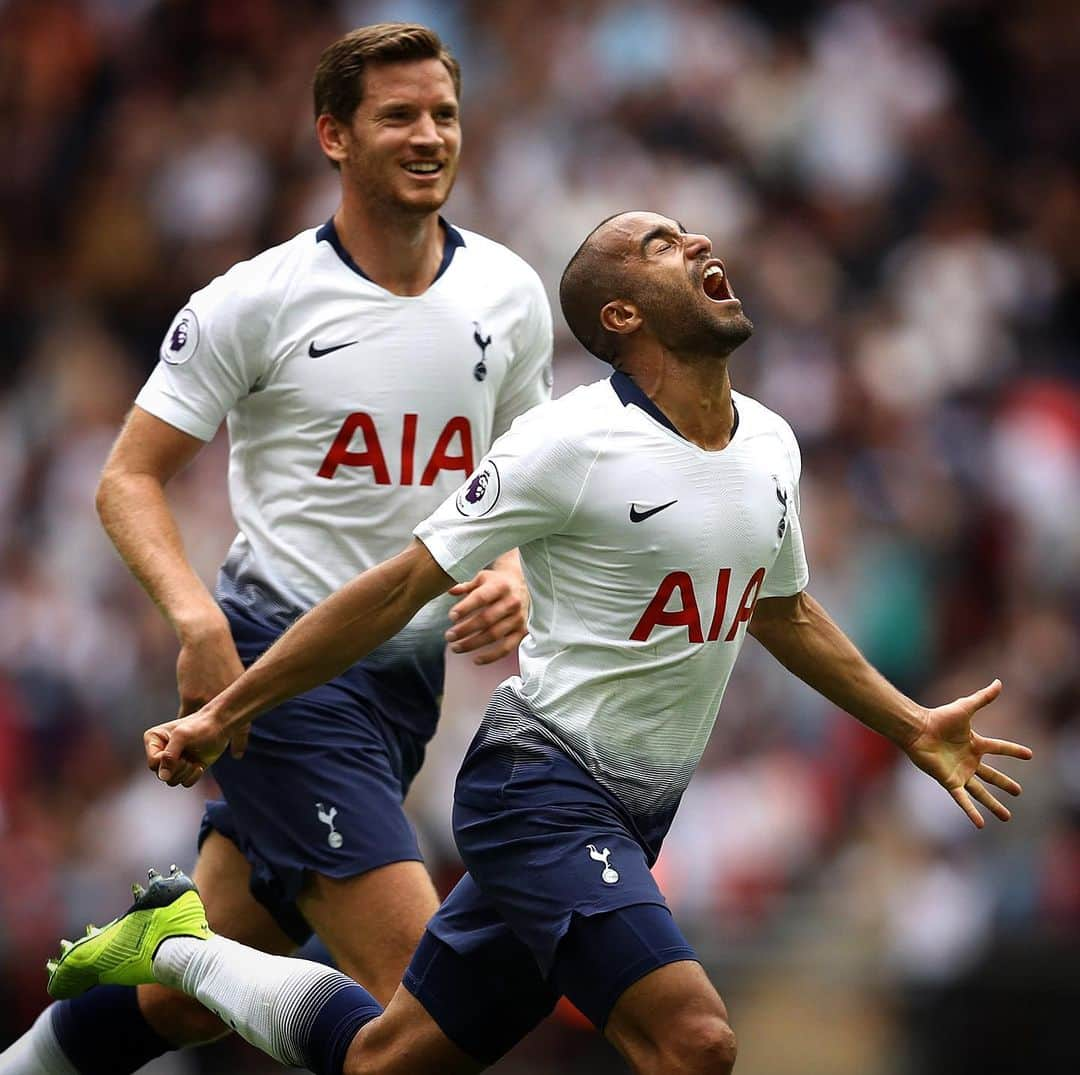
(717, 1048)
(179, 1019)
(701, 1045)
(371, 1052)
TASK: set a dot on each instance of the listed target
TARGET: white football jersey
(352, 412)
(644, 555)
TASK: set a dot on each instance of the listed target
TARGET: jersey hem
(441, 554)
(177, 417)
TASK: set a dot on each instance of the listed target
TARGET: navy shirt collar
(451, 241)
(629, 393)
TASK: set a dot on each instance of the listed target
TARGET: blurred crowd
(895, 189)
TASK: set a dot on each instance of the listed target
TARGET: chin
(733, 331)
(744, 328)
(428, 201)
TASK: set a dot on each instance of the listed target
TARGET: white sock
(270, 1001)
(37, 1052)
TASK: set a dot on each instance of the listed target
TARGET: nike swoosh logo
(318, 352)
(640, 516)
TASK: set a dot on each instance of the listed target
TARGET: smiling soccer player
(362, 367)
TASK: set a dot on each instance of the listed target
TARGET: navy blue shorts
(320, 788)
(559, 899)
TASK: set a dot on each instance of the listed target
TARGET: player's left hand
(491, 618)
(180, 751)
(951, 751)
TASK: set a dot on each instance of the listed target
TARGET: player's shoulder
(260, 282)
(490, 256)
(573, 417)
(755, 418)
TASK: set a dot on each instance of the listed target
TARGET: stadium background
(894, 188)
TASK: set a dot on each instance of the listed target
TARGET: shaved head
(642, 284)
(595, 275)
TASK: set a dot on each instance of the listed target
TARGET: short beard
(736, 332)
(384, 200)
(689, 333)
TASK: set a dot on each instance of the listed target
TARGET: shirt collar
(452, 239)
(629, 392)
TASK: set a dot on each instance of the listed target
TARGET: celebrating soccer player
(363, 368)
(657, 516)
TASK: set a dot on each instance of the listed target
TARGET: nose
(425, 131)
(697, 246)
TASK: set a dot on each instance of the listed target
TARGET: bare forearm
(811, 645)
(334, 635)
(140, 523)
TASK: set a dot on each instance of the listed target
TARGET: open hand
(951, 751)
(492, 617)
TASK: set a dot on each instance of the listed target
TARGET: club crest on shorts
(181, 339)
(326, 816)
(610, 876)
(480, 492)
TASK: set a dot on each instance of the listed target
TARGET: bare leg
(371, 923)
(405, 1040)
(673, 1022)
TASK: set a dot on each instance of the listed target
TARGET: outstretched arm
(801, 635)
(322, 644)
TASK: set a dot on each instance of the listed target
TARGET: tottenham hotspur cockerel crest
(480, 370)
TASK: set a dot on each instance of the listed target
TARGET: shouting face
(682, 292)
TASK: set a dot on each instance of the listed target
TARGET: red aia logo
(452, 451)
(657, 614)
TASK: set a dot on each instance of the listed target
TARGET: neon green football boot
(122, 952)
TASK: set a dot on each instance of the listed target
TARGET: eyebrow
(659, 232)
(402, 104)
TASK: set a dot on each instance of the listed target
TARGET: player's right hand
(181, 750)
(207, 664)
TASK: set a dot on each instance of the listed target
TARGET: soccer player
(363, 368)
(657, 517)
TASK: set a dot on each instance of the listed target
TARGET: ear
(621, 317)
(332, 135)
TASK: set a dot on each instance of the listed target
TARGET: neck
(401, 252)
(696, 396)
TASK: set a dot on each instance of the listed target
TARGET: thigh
(223, 877)
(669, 1020)
(603, 955)
(543, 865)
(475, 979)
(372, 923)
(319, 792)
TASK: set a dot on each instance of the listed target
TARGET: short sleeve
(213, 355)
(529, 379)
(524, 489)
(790, 573)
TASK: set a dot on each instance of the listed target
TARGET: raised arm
(136, 515)
(322, 644)
(802, 636)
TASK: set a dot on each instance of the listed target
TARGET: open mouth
(714, 282)
(423, 168)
